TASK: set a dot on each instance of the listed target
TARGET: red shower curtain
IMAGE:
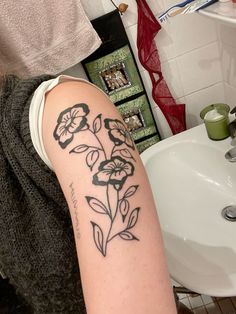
(148, 27)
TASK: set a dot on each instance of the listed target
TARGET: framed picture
(113, 68)
(147, 143)
(140, 122)
(116, 74)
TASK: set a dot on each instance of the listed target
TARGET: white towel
(43, 36)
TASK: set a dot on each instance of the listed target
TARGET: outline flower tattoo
(114, 171)
(118, 133)
(70, 121)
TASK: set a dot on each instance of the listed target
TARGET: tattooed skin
(75, 206)
(109, 171)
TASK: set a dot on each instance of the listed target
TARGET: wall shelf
(224, 12)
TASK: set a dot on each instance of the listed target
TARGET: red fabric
(148, 27)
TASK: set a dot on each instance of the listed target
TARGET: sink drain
(229, 212)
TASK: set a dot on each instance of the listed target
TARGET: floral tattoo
(70, 121)
(109, 171)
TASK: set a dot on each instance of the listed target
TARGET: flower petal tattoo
(114, 171)
(118, 133)
(70, 121)
(110, 172)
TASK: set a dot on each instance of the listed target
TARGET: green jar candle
(216, 120)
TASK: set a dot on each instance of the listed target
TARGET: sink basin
(192, 182)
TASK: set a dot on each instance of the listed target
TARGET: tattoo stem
(117, 198)
(112, 220)
(107, 240)
(113, 150)
(115, 235)
(99, 143)
(108, 201)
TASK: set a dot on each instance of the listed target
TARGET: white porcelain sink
(192, 182)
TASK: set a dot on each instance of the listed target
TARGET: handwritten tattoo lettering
(75, 206)
(109, 171)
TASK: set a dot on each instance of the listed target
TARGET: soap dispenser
(232, 125)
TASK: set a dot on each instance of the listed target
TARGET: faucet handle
(231, 155)
(233, 110)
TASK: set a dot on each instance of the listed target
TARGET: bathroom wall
(227, 46)
(191, 55)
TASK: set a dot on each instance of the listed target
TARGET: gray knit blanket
(37, 247)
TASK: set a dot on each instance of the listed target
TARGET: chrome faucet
(231, 155)
(232, 125)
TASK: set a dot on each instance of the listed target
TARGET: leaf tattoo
(133, 218)
(97, 124)
(80, 149)
(124, 208)
(126, 235)
(98, 237)
(130, 191)
(92, 158)
(112, 171)
(97, 205)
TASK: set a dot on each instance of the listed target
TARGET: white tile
(195, 102)
(97, 8)
(195, 301)
(186, 303)
(130, 17)
(171, 74)
(160, 119)
(191, 31)
(169, 3)
(161, 122)
(230, 95)
(228, 57)
(147, 83)
(165, 42)
(213, 308)
(227, 34)
(206, 299)
(226, 306)
(200, 68)
(156, 6)
(184, 33)
(131, 32)
(182, 296)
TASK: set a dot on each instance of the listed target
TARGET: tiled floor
(203, 304)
